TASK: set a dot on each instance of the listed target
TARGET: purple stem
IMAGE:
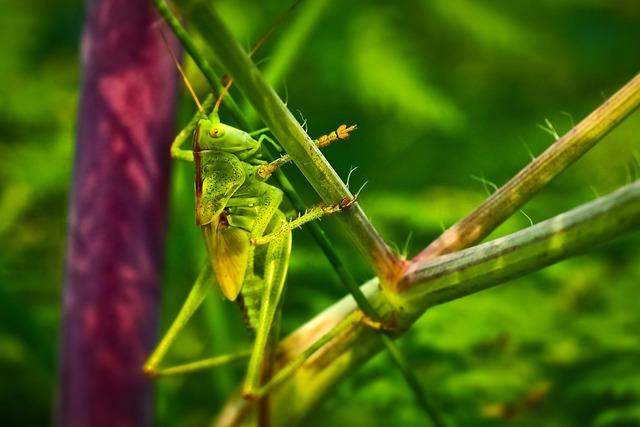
(117, 217)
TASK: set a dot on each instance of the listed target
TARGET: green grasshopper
(247, 237)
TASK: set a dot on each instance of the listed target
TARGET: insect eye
(216, 131)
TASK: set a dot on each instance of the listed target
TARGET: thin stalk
(204, 66)
(410, 377)
(535, 176)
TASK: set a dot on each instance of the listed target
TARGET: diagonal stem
(294, 139)
(445, 278)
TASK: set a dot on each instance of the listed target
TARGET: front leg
(189, 129)
(176, 151)
(342, 132)
(312, 214)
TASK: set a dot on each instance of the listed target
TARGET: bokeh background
(450, 96)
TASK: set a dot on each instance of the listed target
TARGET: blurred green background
(444, 93)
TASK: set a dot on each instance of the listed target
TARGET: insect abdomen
(250, 301)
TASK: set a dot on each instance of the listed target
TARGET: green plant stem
(290, 134)
(316, 230)
(409, 375)
(284, 183)
(535, 176)
(349, 282)
(434, 282)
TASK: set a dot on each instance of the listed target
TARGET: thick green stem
(290, 134)
(453, 276)
(435, 282)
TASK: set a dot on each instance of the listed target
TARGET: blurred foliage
(442, 91)
(38, 97)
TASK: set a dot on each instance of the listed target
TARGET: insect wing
(230, 257)
(218, 176)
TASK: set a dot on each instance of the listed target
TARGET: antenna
(222, 94)
(184, 76)
(225, 90)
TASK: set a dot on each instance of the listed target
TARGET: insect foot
(149, 371)
(250, 395)
(344, 204)
(390, 325)
(341, 133)
(264, 172)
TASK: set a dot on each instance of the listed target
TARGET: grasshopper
(247, 237)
